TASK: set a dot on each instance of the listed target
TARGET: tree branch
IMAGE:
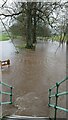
(4, 3)
(10, 15)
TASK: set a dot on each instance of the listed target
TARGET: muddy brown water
(32, 73)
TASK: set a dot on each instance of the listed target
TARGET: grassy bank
(57, 38)
(4, 37)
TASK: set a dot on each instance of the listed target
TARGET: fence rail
(56, 95)
(6, 93)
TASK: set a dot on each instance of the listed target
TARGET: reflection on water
(32, 73)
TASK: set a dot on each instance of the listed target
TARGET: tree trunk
(29, 41)
(34, 25)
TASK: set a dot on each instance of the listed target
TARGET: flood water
(32, 73)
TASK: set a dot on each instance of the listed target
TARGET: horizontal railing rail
(5, 84)
(6, 93)
(56, 95)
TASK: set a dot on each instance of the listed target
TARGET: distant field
(4, 37)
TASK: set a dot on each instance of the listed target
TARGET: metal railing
(56, 95)
(6, 93)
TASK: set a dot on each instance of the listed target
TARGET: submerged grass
(20, 46)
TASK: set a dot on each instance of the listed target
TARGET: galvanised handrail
(56, 95)
(6, 93)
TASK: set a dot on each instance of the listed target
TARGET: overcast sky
(10, 1)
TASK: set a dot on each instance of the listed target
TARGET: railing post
(56, 95)
(49, 97)
(57, 86)
(11, 96)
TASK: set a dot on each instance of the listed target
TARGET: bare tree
(33, 13)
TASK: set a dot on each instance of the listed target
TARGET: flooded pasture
(32, 73)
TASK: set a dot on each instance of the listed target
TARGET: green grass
(55, 38)
(4, 37)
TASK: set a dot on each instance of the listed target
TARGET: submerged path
(32, 73)
(24, 118)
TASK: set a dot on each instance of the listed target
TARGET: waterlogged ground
(32, 73)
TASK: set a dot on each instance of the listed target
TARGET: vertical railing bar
(11, 96)
(57, 86)
(49, 96)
